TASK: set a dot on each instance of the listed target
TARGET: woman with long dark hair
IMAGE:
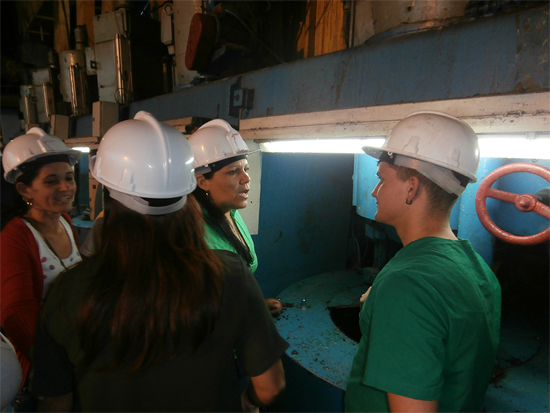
(152, 320)
(223, 186)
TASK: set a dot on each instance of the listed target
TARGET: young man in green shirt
(430, 323)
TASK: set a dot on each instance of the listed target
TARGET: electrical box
(128, 57)
(27, 104)
(72, 80)
(114, 70)
(104, 115)
(60, 126)
(108, 25)
(44, 81)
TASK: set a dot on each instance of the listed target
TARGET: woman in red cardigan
(39, 242)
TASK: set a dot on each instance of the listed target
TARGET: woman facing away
(223, 185)
(150, 322)
(38, 241)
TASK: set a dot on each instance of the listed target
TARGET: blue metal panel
(469, 226)
(315, 342)
(496, 55)
(450, 63)
(464, 218)
(365, 179)
(207, 100)
(323, 353)
(532, 63)
(304, 217)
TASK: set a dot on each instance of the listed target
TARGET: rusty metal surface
(315, 342)
(491, 56)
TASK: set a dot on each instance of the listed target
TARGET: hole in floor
(346, 318)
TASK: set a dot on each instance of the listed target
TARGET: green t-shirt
(218, 241)
(430, 329)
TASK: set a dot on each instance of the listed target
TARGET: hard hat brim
(376, 152)
(203, 169)
(14, 173)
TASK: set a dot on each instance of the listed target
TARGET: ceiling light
(320, 145)
(525, 146)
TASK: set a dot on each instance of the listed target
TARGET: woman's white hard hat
(144, 158)
(215, 141)
(35, 144)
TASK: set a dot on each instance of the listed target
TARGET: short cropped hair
(439, 199)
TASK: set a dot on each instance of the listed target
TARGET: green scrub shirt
(218, 241)
(430, 329)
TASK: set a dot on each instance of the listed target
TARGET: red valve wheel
(524, 203)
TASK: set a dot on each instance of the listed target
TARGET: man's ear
(414, 187)
(202, 182)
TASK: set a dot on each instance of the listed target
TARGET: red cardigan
(22, 284)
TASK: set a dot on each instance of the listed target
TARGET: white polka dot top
(51, 266)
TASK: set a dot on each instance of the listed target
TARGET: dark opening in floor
(346, 318)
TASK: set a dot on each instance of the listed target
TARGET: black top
(245, 334)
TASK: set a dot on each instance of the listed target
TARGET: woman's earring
(28, 201)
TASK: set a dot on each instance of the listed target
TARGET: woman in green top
(223, 185)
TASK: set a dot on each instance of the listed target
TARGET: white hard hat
(35, 144)
(144, 158)
(433, 143)
(216, 141)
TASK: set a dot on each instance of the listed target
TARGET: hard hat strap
(216, 166)
(38, 162)
(140, 205)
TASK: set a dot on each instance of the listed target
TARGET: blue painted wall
(305, 212)
(464, 218)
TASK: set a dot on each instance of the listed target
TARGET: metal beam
(528, 112)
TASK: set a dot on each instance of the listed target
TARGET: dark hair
(155, 281)
(216, 219)
(439, 199)
(13, 204)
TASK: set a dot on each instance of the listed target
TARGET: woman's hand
(273, 305)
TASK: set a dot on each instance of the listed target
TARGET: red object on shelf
(201, 41)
